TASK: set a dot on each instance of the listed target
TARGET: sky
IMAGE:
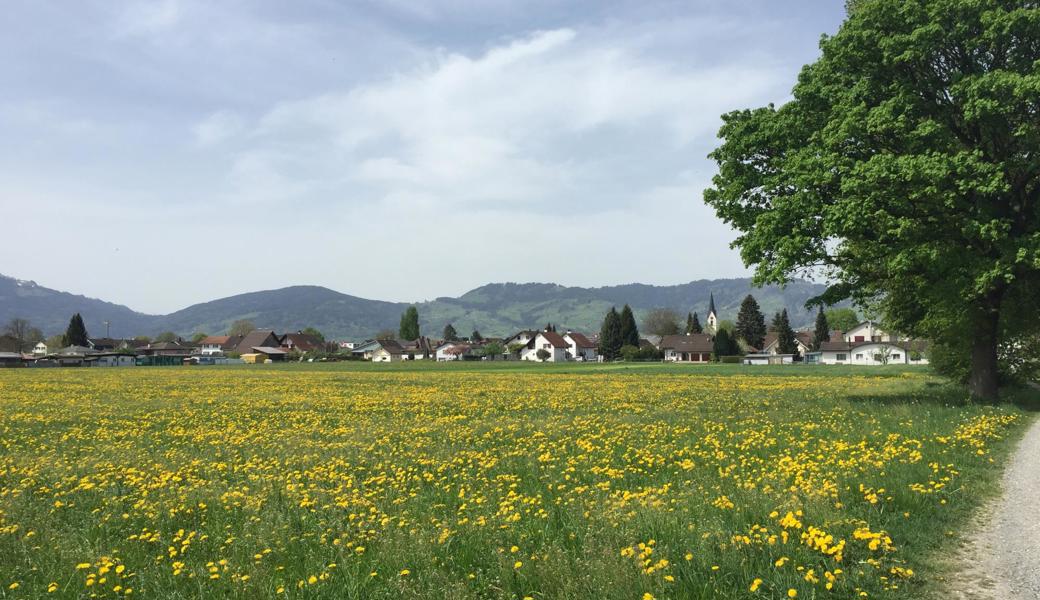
(159, 154)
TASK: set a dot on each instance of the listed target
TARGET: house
(40, 349)
(687, 348)
(218, 344)
(255, 339)
(870, 353)
(107, 344)
(112, 359)
(387, 351)
(448, 351)
(364, 350)
(581, 347)
(301, 342)
(550, 341)
(72, 356)
(520, 338)
(868, 331)
(347, 345)
(418, 349)
(802, 339)
(165, 349)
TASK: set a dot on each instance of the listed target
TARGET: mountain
(495, 309)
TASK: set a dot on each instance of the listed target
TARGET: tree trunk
(983, 382)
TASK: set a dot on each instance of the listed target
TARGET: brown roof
(215, 340)
(580, 340)
(555, 339)
(805, 337)
(258, 337)
(300, 341)
(690, 342)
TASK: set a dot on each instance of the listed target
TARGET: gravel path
(1002, 558)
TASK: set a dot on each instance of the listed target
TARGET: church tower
(712, 324)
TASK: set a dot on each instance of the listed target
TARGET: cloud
(148, 17)
(218, 127)
(554, 116)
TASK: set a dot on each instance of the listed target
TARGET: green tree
(543, 354)
(76, 333)
(786, 341)
(242, 327)
(629, 331)
(661, 321)
(450, 335)
(822, 331)
(610, 335)
(409, 329)
(693, 325)
(751, 323)
(314, 333)
(166, 336)
(493, 350)
(199, 336)
(842, 319)
(906, 167)
(724, 345)
(476, 337)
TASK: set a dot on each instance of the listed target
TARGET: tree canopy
(661, 321)
(906, 170)
(76, 332)
(842, 319)
(786, 341)
(242, 327)
(450, 335)
(751, 323)
(629, 330)
(610, 341)
(822, 330)
(693, 324)
(409, 329)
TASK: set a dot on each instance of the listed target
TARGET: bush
(542, 354)
(732, 360)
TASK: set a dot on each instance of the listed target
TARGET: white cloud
(218, 127)
(148, 17)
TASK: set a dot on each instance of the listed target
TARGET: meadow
(496, 481)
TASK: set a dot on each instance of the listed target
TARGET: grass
(487, 481)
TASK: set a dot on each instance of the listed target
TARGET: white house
(802, 339)
(387, 351)
(868, 331)
(114, 360)
(551, 342)
(869, 353)
(766, 358)
(580, 347)
(448, 351)
(213, 344)
(40, 349)
(365, 349)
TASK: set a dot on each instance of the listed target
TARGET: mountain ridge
(493, 309)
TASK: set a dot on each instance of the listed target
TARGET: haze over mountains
(494, 309)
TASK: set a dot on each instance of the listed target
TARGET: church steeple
(712, 321)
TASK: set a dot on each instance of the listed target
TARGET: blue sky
(164, 153)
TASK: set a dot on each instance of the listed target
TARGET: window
(546, 346)
(879, 358)
(860, 338)
(896, 357)
(841, 357)
(859, 357)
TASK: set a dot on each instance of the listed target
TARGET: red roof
(554, 338)
(580, 340)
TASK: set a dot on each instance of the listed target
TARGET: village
(864, 344)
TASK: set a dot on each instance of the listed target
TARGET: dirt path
(1002, 558)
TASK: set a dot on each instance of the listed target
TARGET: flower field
(441, 483)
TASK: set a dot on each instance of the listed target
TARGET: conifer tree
(409, 329)
(724, 345)
(76, 333)
(475, 336)
(823, 331)
(751, 323)
(610, 335)
(785, 337)
(695, 327)
(629, 330)
(450, 335)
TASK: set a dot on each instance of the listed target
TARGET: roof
(843, 346)
(167, 346)
(269, 350)
(579, 339)
(303, 341)
(690, 342)
(554, 338)
(803, 337)
(391, 346)
(215, 340)
(257, 337)
(711, 303)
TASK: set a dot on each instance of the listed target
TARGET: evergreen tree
(629, 330)
(450, 335)
(475, 336)
(785, 338)
(409, 329)
(76, 333)
(751, 323)
(689, 323)
(724, 345)
(695, 326)
(610, 335)
(823, 330)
